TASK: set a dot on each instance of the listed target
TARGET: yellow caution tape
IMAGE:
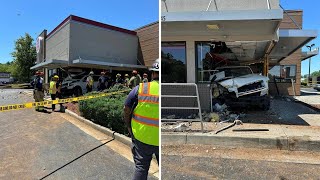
(44, 103)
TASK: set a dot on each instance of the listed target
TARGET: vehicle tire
(77, 91)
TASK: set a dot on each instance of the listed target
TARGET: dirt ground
(74, 107)
(284, 111)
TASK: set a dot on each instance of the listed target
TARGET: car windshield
(236, 72)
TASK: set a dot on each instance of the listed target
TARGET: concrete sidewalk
(283, 137)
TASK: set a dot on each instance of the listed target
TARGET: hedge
(106, 111)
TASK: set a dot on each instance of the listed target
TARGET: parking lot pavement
(210, 162)
(309, 99)
(34, 144)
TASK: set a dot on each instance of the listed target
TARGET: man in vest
(53, 89)
(141, 115)
(38, 92)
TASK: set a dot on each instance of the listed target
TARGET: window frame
(283, 80)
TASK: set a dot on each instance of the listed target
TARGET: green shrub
(106, 111)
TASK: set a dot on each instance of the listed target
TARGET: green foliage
(106, 111)
(24, 57)
(5, 67)
(315, 74)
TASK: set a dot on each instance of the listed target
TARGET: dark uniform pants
(142, 156)
(38, 97)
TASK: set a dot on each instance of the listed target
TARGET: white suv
(77, 85)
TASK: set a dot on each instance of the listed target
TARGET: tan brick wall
(148, 43)
(294, 59)
(287, 23)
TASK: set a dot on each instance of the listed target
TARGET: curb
(119, 137)
(292, 143)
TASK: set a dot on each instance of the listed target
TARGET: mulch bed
(74, 107)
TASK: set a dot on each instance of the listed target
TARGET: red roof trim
(94, 23)
(55, 29)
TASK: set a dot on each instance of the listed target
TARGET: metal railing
(189, 100)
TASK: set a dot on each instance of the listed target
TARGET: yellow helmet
(56, 76)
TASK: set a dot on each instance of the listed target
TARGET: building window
(283, 73)
(173, 62)
(209, 56)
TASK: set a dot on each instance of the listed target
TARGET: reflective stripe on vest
(53, 87)
(145, 118)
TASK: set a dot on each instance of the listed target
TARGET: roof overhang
(308, 54)
(102, 64)
(51, 64)
(290, 40)
(233, 25)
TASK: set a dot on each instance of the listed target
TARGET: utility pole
(309, 47)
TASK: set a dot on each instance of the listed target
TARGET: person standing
(141, 115)
(102, 82)
(109, 80)
(118, 79)
(145, 78)
(89, 82)
(53, 90)
(126, 80)
(133, 82)
(139, 79)
(38, 92)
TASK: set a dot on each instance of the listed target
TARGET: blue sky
(311, 20)
(19, 16)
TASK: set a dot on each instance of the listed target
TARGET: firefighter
(53, 89)
(89, 82)
(102, 82)
(141, 115)
(126, 80)
(118, 79)
(145, 78)
(133, 82)
(38, 92)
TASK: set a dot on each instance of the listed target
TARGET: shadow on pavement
(282, 111)
(113, 138)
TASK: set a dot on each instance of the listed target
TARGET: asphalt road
(208, 162)
(34, 145)
(306, 91)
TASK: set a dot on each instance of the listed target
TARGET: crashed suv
(238, 86)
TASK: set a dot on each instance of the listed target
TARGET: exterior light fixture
(213, 26)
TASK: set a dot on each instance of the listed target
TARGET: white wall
(96, 43)
(57, 45)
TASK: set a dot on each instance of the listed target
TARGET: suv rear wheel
(77, 91)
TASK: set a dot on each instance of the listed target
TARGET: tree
(315, 74)
(24, 57)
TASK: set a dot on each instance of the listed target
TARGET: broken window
(209, 56)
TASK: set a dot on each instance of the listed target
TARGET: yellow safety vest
(53, 88)
(145, 118)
